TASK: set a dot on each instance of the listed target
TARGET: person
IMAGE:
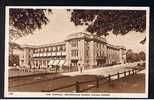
(79, 68)
(57, 68)
(82, 67)
(70, 68)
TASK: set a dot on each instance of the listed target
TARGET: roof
(85, 36)
(72, 36)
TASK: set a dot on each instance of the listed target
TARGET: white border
(52, 95)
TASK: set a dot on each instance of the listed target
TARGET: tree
(12, 46)
(100, 22)
(133, 57)
(13, 59)
(24, 21)
(141, 55)
(129, 54)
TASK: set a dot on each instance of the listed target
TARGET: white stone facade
(79, 49)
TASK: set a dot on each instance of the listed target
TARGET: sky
(60, 26)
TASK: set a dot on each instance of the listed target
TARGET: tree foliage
(24, 21)
(101, 22)
(13, 59)
(141, 55)
(133, 57)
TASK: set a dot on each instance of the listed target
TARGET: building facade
(77, 49)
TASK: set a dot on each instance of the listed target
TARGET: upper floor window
(55, 49)
(97, 54)
(58, 48)
(41, 49)
(45, 49)
(74, 53)
(64, 48)
(36, 50)
(61, 48)
(49, 48)
(74, 43)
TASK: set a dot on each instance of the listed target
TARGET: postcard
(79, 52)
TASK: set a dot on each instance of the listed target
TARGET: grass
(131, 84)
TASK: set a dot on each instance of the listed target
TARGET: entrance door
(74, 62)
(74, 65)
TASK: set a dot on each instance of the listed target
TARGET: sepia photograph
(76, 51)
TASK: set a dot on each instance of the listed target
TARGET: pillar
(81, 52)
(120, 56)
(92, 54)
(31, 63)
(68, 53)
(26, 56)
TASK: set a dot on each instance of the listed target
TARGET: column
(120, 56)
(31, 63)
(82, 54)
(92, 50)
(26, 56)
(20, 60)
(105, 53)
(68, 53)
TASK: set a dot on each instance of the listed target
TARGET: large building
(79, 49)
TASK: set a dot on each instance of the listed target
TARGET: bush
(13, 59)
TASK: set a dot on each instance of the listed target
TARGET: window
(54, 49)
(45, 49)
(58, 48)
(35, 50)
(49, 48)
(74, 53)
(41, 49)
(97, 55)
(74, 43)
(61, 48)
(64, 48)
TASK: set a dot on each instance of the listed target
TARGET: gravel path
(103, 70)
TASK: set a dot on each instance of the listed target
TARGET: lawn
(131, 84)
